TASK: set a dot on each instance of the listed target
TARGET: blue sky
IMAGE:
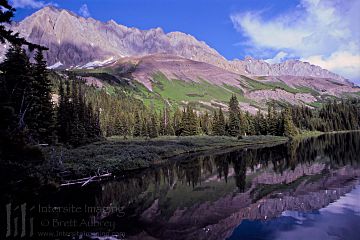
(322, 32)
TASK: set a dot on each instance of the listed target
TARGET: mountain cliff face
(76, 41)
(287, 68)
(157, 60)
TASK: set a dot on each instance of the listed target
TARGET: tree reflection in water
(186, 195)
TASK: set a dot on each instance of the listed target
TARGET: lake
(305, 189)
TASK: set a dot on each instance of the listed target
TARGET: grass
(259, 84)
(308, 134)
(180, 90)
(315, 104)
(117, 155)
(308, 90)
(262, 85)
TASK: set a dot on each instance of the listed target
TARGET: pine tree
(153, 127)
(289, 127)
(234, 113)
(193, 122)
(15, 97)
(215, 124)
(61, 122)
(144, 128)
(260, 123)
(177, 122)
(221, 123)
(77, 121)
(41, 113)
(138, 125)
(16, 84)
(272, 120)
(251, 126)
(162, 123)
(206, 123)
(169, 130)
(244, 125)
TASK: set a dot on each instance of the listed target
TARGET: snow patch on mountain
(55, 66)
(94, 64)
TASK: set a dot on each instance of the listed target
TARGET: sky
(322, 32)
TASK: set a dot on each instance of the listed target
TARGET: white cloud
(323, 32)
(27, 4)
(84, 11)
(30, 4)
(344, 63)
(278, 58)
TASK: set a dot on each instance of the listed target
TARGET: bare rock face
(287, 68)
(76, 41)
(281, 95)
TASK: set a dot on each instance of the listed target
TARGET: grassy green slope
(177, 92)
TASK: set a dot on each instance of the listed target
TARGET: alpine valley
(112, 132)
(172, 68)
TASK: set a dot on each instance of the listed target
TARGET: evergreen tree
(162, 124)
(244, 125)
(144, 128)
(16, 84)
(153, 128)
(41, 113)
(289, 127)
(251, 126)
(169, 130)
(193, 121)
(15, 97)
(221, 123)
(61, 123)
(177, 122)
(234, 113)
(77, 121)
(138, 125)
(260, 123)
(272, 120)
(215, 124)
(205, 123)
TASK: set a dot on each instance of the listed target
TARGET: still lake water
(305, 189)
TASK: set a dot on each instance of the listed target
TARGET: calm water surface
(300, 190)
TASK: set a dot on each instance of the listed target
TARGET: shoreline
(118, 156)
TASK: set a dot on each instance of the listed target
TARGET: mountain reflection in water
(339, 220)
(289, 191)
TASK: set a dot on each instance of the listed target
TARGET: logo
(19, 222)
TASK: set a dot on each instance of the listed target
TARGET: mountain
(77, 41)
(175, 66)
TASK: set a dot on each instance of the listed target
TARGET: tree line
(287, 121)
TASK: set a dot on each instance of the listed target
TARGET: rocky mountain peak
(77, 41)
